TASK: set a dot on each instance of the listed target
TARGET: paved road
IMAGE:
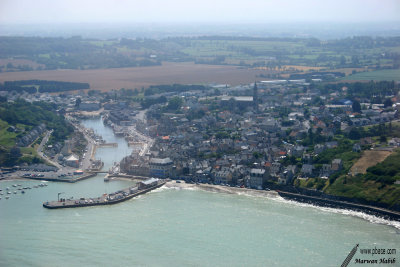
(40, 148)
(90, 148)
(148, 141)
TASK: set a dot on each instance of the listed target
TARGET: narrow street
(147, 141)
(40, 150)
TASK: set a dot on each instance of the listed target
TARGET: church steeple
(255, 96)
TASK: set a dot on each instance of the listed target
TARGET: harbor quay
(66, 179)
(107, 199)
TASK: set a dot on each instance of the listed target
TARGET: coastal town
(199, 133)
(265, 135)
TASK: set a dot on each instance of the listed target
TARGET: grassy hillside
(30, 115)
(378, 175)
(378, 184)
(9, 155)
(24, 116)
(7, 139)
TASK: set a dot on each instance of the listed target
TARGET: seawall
(380, 212)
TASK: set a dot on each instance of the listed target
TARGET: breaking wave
(271, 195)
(358, 214)
(172, 187)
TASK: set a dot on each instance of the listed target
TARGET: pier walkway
(65, 179)
(105, 199)
(108, 145)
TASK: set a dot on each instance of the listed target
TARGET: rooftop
(160, 161)
(150, 181)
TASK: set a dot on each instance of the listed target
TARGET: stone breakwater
(106, 199)
(324, 202)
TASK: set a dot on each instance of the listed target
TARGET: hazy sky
(204, 11)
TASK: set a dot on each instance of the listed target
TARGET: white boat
(7, 197)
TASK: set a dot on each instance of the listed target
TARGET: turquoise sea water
(179, 227)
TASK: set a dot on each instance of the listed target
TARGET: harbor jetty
(64, 179)
(107, 199)
(108, 145)
(125, 176)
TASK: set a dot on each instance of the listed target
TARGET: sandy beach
(222, 189)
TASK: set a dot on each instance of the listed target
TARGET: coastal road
(148, 142)
(90, 148)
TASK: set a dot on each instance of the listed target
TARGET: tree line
(375, 91)
(177, 88)
(30, 86)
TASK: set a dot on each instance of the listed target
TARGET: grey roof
(337, 161)
(307, 168)
(72, 158)
(257, 171)
(160, 161)
(238, 98)
(149, 181)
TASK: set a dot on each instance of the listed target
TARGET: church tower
(255, 97)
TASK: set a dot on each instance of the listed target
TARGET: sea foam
(359, 214)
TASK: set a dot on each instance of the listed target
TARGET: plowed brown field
(369, 158)
(168, 73)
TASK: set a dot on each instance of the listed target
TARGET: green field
(378, 75)
(7, 139)
(102, 43)
(249, 50)
(278, 52)
(358, 187)
(272, 53)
